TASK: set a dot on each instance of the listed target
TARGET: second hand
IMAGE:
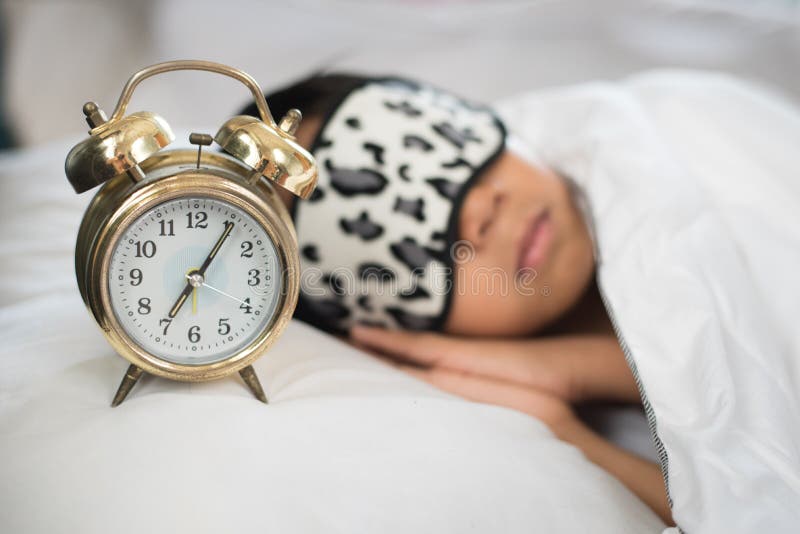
(212, 288)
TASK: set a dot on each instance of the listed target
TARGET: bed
(347, 444)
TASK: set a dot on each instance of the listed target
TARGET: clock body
(141, 258)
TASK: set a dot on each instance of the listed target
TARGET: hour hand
(195, 280)
(181, 299)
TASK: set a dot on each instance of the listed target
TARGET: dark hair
(315, 95)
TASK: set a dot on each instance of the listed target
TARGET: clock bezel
(203, 182)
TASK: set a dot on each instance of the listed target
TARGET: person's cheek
(486, 302)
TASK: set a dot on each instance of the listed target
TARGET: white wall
(62, 53)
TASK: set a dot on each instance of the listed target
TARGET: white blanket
(694, 186)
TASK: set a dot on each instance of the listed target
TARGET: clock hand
(211, 255)
(196, 277)
(181, 299)
(194, 290)
(212, 288)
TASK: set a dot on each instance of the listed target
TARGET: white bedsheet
(694, 183)
(347, 444)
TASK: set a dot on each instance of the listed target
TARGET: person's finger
(424, 348)
(542, 405)
(510, 360)
(428, 348)
(365, 348)
(389, 360)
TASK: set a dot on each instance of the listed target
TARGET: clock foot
(250, 378)
(132, 375)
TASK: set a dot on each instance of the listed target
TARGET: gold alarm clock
(187, 259)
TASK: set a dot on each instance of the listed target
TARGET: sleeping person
(435, 242)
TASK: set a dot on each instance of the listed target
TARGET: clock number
(167, 228)
(224, 328)
(246, 306)
(247, 249)
(146, 249)
(165, 323)
(253, 279)
(194, 334)
(196, 219)
(144, 306)
(136, 277)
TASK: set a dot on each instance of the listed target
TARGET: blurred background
(58, 54)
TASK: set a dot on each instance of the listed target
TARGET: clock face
(194, 280)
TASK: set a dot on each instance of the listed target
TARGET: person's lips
(535, 243)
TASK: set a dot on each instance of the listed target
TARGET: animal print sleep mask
(378, 238)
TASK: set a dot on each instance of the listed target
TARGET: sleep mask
(378, 237)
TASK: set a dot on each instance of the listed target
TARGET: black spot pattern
(353, 123)
(403, 172)
(323, 143)
(415, 141)
(362, 226)
(326, 314)
(351, 182)
(457, 137)
(411, 321)
(414, 207)
(445, 187)
(376, 271)
(373, 324)
(335, 283)
(316, 195)
(458, 162)
(403, 107)
(329, 309)
(311, 253)
(412, 254)
(437, 235)
(363, 303)
(376, 150)
(415, 292)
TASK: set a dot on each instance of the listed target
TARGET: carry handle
(192, 64)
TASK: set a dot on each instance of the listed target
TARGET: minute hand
(201, 271)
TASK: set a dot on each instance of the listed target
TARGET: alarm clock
(188, 260)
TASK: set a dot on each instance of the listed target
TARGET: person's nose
(479, 212)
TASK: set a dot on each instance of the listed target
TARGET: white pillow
(347, 443)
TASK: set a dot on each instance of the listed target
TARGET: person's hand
(493, 372)
(573, 368)
(517, 361)
(549, 409)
